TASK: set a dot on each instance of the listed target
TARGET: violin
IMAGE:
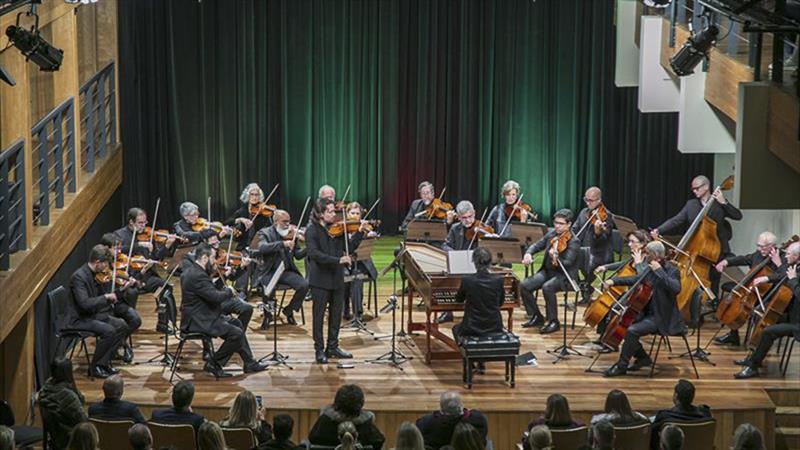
(160, 236)
(293, 230)
(600, 217)
(352, 226)
(217, 227)
(437, 209)
(560, 244)
(516, 213)
(262, 209)
(232, 259)
(106, 276)
(478, 230)
(138, 262)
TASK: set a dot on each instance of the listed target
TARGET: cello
(778, 298)
(626, 310)
(595, 312)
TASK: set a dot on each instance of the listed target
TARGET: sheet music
(459, 262)
(274, 280)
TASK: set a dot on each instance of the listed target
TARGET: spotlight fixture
(83, 2)
(658, 4)
(694, 50)
(33, 46)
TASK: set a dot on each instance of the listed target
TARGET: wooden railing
(12, 202)
(98, 117)
(54, 153)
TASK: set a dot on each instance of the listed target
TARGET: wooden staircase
(787, 417)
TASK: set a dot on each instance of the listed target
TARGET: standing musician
(201, 312)
(765, 248)
(595, 235)
(791, 327)
(418, 206)
(99, 308)
(277, 244)
(354, 290)
(719, 211)
(191, 213)
(325, 267)
(660, 315)
(498, 216)
(560, 247)
(252, 197)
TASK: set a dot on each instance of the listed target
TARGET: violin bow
(209, 209)
(130, 255)
(228, 255)
(371, 208)
(155, 217)
(302, 214)
(114, 273)
(441, 195)
(566, 274)
(508, 219)
(475, 235)
(588, 221)
(344, 222)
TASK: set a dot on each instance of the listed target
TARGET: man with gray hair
(765, 250)
(140, 437)
(785, 274)
(327, 191)
(113, 407)
(190, 214)
(661, 314)
(437, 427)
(457, 240)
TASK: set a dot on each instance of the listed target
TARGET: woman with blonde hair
(210, 437)
(83, 437)
(348, 437)
(409, 438)
(540, 438)
(244, 413)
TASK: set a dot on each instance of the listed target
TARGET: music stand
(362, 253)
(624, 225)
(426, 231)
(503, 250)
(527, 234)
(276, 357)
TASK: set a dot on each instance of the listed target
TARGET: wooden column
(66, 82)
(16, 367)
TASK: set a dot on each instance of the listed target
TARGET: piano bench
(503, 346)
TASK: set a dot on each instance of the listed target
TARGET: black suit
(326, 278)
(93, 312)
(246, 236)
(601, 250)
(202, 312)
(437, 428)
(497, 219)
(456, 238)
(791, 327)
(550, 278)
(271, 253)
(113, 409)
(661, 314)
(417, 206)
(172, 417)
(482, 295)
(184, 229)
(690, 414)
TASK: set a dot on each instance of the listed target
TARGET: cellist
(765, 248)
(719, 212)
(593, 228)
(661, 314)
(787, 270)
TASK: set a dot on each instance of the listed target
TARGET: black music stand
(394, 357)
(527, 234)
(427, 231)
(362, 253)
(504, 250)
(275, 358)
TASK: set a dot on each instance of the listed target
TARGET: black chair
(182, 338)
(58, 300)
(24, 436)
(283, 288)
(503, 346)
(662, 338)
(788, 346)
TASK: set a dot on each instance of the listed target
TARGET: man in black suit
(596, 236)
(660, 315)
(437, 427)
(456, 236)
(325, 268)
(274, 249)
(113, 407)
(417, 208)
(201, 312)
(190, 214)
(181, 411)
(683, 411)
(482, 295)
(99, 309)
(550, 278)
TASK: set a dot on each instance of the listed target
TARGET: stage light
(84, 2)
(694, 50)
(658, 4)
(35, 48)
(6, 77)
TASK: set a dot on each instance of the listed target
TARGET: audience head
(557, 411)
(450, 404)
(140, 437)
(747, 437)
(481, 258)
(349, 400)
(113, 387)
(7, 438)
(409, 438)
(540, 438)
(466, 437)
(61, 371)
(282, 426)
(83, 437)
(617, 403)
(182, 395)
(603, 435)
(348, 436)
(684, 394)
(671, 438)
(244, 411)
(210, 437)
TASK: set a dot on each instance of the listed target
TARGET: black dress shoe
(480, 368)
(746, 372)
(640, 363)
(338, 353)
(615, 371)
(607, 349)
(742, 362)
(110, 370)
(730, 338)
(127, 354)
(215, 369)
(320, 357)
(289, 316)
(551, 327)
(445, 316)
(535, 321)
(267, 320)
(98, 372)
(254, 366)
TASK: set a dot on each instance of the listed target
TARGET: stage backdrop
(381, 94)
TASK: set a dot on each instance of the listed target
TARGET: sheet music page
(274, 281)
(459, 262)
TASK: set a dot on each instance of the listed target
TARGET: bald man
(787, 274)
(595, 236)
(765, 249)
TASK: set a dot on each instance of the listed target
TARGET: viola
(138, 263)
(478, 230)
(516, 213)
(217, 227)
(352, 226)
(437, 209)
(262, 209)
(160, 236)
(560, 244)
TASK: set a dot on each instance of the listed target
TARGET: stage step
(781, 396)
(787, 438)
(787, 416)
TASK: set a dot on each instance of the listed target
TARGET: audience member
(6, 438)
(348, 436)
(467, 437)
(282, 426)
(540, 438)
(181, 411)
(347, 407)
(244, 413)
(683, 410)
(113, 407)
(409, 438)
(556, 416)
(747, 437)
(83, 437)
(210, 437)
(602, 436)
(618, 411)
(140, 437)
(61, 403)
(438, 427)
(671, 438)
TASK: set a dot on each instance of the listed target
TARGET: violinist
(244, 218)
(325, 267)
(660, 315)
(560, 247)
(498, 216)
(788, 272)
(457, 236)
(98, 308)
(418, 207)
(719, 212)
(237, 304)
(277, 244)
(191, 219)
(595, 235)
(765, 248)
(327, 191)
(354, 290)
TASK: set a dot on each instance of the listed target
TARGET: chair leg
(575, 310)
(655, 360)
(652, 346)
(86, 352)
(669, 346)
(787, 355)
(691, 356)
(177, 357)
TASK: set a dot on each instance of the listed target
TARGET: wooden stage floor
(396, 395)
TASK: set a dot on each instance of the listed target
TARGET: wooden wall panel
(784, 119)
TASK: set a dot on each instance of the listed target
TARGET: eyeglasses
(559, 223)
(697, 188)
(590, 200)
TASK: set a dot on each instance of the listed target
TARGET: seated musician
(354, 290)
(596, 236)
(457, 240)
(719, 212)
(660, 315)
(497, 217)
(100, 309)
(201, 312)
(244, 220)
(191, 213)
(786, 273)
(418, 206)
(483, 295)
(765, 248)
(550, 278)
(274, 248)
(238, 303)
